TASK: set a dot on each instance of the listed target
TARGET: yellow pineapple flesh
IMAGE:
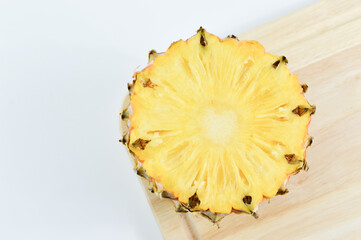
(217, 125)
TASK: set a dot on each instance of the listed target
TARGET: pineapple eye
(247, 200)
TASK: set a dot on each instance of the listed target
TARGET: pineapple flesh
(217, 125)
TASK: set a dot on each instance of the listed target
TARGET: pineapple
(217, 125)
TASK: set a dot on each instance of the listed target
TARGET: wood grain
(323, 45)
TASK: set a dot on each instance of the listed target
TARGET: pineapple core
(218, 124)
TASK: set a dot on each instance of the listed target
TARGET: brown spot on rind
(130, 88)
(141, 172)
(190, 209)
(166, 194)
(300, 110)
(214, 217)
(181, 209)
(254, 214)
(284, 59)
(125, 114)
(247, 200)
(232, 36)
(305, 166)
(194, 201)
(203, 41)
(124, 140)
(309, 142)
(149, 83)
(313, 109)
(291, 158)
(275, 64)
(304, 88)
(201, 29)
(140, 143)
(152, 55)
(151, 52)
(282, 191)
(152, 187)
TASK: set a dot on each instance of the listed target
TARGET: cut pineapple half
(217, 125)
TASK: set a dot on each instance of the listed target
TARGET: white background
(64, 66)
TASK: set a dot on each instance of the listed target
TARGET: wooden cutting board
(323, 45)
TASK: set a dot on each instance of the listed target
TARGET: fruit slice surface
(219, 121)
